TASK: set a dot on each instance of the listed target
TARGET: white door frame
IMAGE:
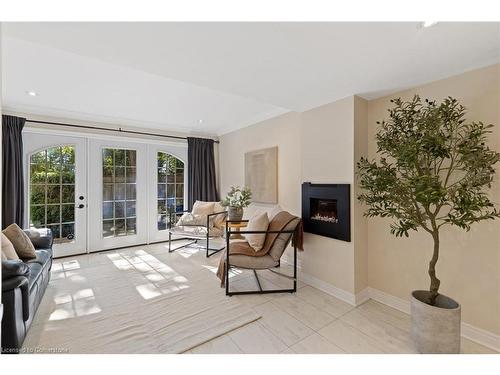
(34, 142)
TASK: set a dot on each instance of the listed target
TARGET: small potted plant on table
(236, 199)
(433, 172)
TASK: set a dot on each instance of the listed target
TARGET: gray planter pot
(235, 213)
(435, 329)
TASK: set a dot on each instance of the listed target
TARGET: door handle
(81, 205)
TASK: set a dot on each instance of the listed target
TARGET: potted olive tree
(236, 200)
(434, 170)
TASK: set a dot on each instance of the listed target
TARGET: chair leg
(207, 244)
(170, 250)
(295, 264)
(227, 265)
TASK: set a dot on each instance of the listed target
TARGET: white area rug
(138, 300)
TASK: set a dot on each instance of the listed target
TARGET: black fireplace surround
(326, 210)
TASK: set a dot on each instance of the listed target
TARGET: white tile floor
(309, 321)
(288, 326)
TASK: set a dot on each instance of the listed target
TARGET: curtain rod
(119, 130)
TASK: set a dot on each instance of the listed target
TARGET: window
(52, 191)
(170, 187)
(119, 192)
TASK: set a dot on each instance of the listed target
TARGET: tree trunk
(432, 270)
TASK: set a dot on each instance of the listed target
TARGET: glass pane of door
(52, 192)
(170, 188)
(119, 176)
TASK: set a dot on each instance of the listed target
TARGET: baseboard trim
(478, 335)
(362, 296)
(481, 336)
(328, 288)
(389, 300)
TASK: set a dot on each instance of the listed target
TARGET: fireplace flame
(328, 219)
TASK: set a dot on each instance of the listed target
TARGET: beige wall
(315, 146)
(469, 265)
(327, 157)
(282, 131)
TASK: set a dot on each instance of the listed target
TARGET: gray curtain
(12, 171)
(201, 171)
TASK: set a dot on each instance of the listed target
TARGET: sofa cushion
(41, 238)
(42, 257)
(22, 243)
(196, 231)
(32, 233)
(259, 222)
(13, 268)
(245, 261)
(8, 251)
(48, 250)
(35, 272)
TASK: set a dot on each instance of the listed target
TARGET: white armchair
(206, 221)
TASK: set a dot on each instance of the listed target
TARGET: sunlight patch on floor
(153, 270)
(149, 291)
(232, 272)
(71, 305)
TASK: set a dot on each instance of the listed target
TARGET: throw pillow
(8, 251)
(203, 208)
(191, 219)
(22, 243)
(257, 223)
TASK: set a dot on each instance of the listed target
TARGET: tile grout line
(372, 337)
(339, 319)
(303, 322)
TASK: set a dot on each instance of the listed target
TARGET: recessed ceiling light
(426, 24)
(200, 121)
(31, 93)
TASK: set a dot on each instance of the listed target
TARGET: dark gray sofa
(23, 286)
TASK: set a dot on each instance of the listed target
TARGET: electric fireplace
(326, 210)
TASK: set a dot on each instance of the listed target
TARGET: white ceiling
(171, 75)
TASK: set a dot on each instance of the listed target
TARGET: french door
(102, 193)
(56, 189)
(118, 180)
(167, 188)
